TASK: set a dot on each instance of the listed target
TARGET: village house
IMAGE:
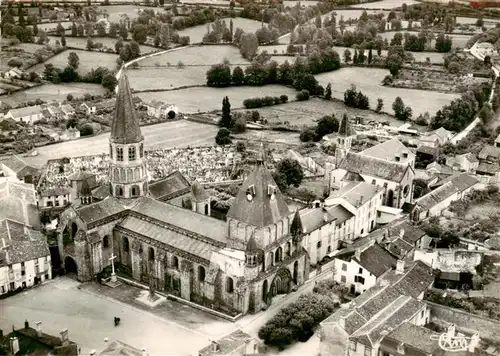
(24, 258)
(466, 162)
(18, 203)
(34, 342)
(87, 109)
(238, 343)
(69, 134)
(16, 167)
(434, 202)
(359, 269)
(442, 135)
(117, 347)
(13, 73)
(396, 299)
(489, 158)
(236, 266)
(56, 197)
(388, 165)
(428, 141)
(27, 115)
(159, 110)
(362, 200)
(435, 168)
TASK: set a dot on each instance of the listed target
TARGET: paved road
(89, 319)
(165, 135)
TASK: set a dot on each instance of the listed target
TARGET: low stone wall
(488, 329)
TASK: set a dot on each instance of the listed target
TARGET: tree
(73, 60)
(140, 33)
(307, 134)
(69, 97)
(380, 105)
(219, 75)
(135, 51)
(347, 56)
(290, 172)
(238, 77)
(86, 130)
(63, 40)
(123, 32)
(480, 22)
(248, 45)
(328, 92)
(305, 81)
(72, 122)
(109, 81)
(113, 30)
(398, 106)
(326, 125)
(225, 120)
(223, 137)
(21, 20)
(240, 125)
(90, 44)
(370, 56)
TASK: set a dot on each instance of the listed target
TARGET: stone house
(54, 198)
(237, 266)
(466, 162)
(237, 343)
(13, 73)
(27, 115)
(159, 109)
(17, 168)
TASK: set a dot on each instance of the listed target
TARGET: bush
(307, 134)
(240, 125)
(223, 137)
(284, 98)
(303, 95)
(253, 103)
(356, 99)
(86, 130)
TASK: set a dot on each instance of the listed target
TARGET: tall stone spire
(345, 128)
(125, 127)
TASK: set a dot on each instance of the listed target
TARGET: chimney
(397, 158)
(325, 216)
(400, 267)
(474, 342)
(361, 200)
(401, 233)
(38, 328)
(215, 346)
(14, 345)
(451, 331)
(64, 337)
(26, 324)
(144, 352)
(357, 254)
(93, 352)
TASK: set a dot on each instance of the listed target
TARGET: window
(23, 273)
(57, 202)
(151, 254)
(329, 249)
(105, 242)
(201, 274)
(359, 279)
(360, 270)
(22, 264)
(111, 151)
(379, 214)
(368, 351)
(141, 150)
(352, 346)
(131, 153)
(374, 182)
(65, 202)
(49, 203)
(398, 159)
(422, 314)
(47, 276)
(342, 279)
(119, 191)
(318, 245)
(344, 266)
(362, 230)
(229, 285)
(175, 262)
(119, 154)
(126, 245)
(405, 155)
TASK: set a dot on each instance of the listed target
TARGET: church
(236, 266)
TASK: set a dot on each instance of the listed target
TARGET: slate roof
(340, 213)
(56, 191)
(489, 151)
(100, 210)
(411, 235)
(358, 163)
(261, 210)
(227, 345)
(199, 193)
(185, 219)
(355, 191)
(125, 126)
(169, 187)
(345, 128)
(453, 185)
(414, 336)
(21, 243)
(169, 237)
(376, 260)
(314, 218)
(388, 150)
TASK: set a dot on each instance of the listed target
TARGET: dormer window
(250, 192)
(271, 191)
(405, 155)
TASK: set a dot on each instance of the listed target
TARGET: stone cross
(113, 274)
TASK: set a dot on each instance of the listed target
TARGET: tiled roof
(101, 192)
(340, 213)
(417, 337)
(125, 126)
(118, 348)
(313, 218)
(185, 219)
(27, 111)
(172, 238)
(14, 208)
(266, 205)
(377, 302)
(228, 344)
(100, 210)
(488, 168)
(388, 150)
(427, 150)
(54, 192)
(452, 186)
(169, 186)
(377, 260)
(15, 163)
(411, 233)
(399, 248)
(21, 243)
(355, 191)
(489, 151)
(365, 165)
(416, 279)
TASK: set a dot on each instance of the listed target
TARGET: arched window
(175, 262)
(206, 209)
(145, 187)
(119, 154)
(271, 258)
(74, 230)
(141, 150)
(288, 248)
(105, 242)
(151, 254)
(111, 151)
(126, 246)
(229, 285)
(278, 256)
(118, 191)
(201, 273)
(134, 190)
(131, 153)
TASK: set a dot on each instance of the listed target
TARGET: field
(472, 20)
(81, 43)
(458, 41)
(299, 113)
(384, 4)
(88, 60)
(369, 81)
(53, 25)
(202, 99)
(198, 55)
(116, 12)
(196, 33)
(57, 92)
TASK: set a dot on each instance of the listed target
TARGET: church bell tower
(345, 137)
(127, 172)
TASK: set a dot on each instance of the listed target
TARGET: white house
(161, 110)
(24, 257)
(13, 73)
(88, 109)
(360, 269)
(28, 115)
(362, 200)
(16, 167)
(434, 202)
(466, 162)
(54, 197)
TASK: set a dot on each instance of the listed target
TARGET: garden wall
(489, 329)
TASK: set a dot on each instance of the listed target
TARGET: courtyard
(175, 330)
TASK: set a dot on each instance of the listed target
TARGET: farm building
(27, 115)
(54, 197)
(159, 109)
(13, 73)
(433, 203)
(16, 167)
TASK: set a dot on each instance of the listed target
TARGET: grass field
(384, 4)
(115, 12)
(196, 33)
(57, 92)
(198, 55)
(81, 43)
(53, 25)
(299, 113)
(203, 99)
(369, 81)
(88, 60)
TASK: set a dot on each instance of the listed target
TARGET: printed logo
(452, 343)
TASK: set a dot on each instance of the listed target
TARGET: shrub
(223, 137)
(284, 98)
(303, 95)
(253, 103)
(240, 125)
(86, 130)
(356, 99)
